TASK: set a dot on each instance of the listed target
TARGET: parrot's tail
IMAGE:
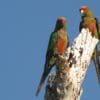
(97, 66)
(98, 69)
(40, 84)
(45, 74)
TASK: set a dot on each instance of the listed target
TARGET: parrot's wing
(49, 56)
(98, 27)
(67, 40)
(80, 26)
(51, 45)
(97, 57)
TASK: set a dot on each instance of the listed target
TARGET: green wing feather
(98, 27)
(96, 57)
(52, 45)
(49, 57)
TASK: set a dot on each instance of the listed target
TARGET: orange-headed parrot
(90, 22)
(58, 43)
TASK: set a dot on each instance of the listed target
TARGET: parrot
(58, 44)
(92, 23)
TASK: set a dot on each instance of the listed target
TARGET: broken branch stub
(66, 83)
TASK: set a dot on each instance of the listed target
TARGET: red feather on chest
(91, 25)
(61, 44)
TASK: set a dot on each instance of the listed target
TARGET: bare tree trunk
(66, 83)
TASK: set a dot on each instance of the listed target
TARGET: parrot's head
(60, 23)
(85, 11)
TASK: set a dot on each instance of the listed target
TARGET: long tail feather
(97, 70)
(45, 74)
(40, 85)
(97, 64)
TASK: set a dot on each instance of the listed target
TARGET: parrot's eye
(82, 11)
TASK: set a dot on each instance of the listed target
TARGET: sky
(25, 27)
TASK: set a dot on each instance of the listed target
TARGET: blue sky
(25, 27)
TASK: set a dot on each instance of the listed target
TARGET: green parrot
(90, 22)
(58, 43)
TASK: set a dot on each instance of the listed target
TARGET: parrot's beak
(82, 12)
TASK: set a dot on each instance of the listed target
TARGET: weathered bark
(65, 83)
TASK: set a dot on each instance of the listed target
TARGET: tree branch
(66, 83)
